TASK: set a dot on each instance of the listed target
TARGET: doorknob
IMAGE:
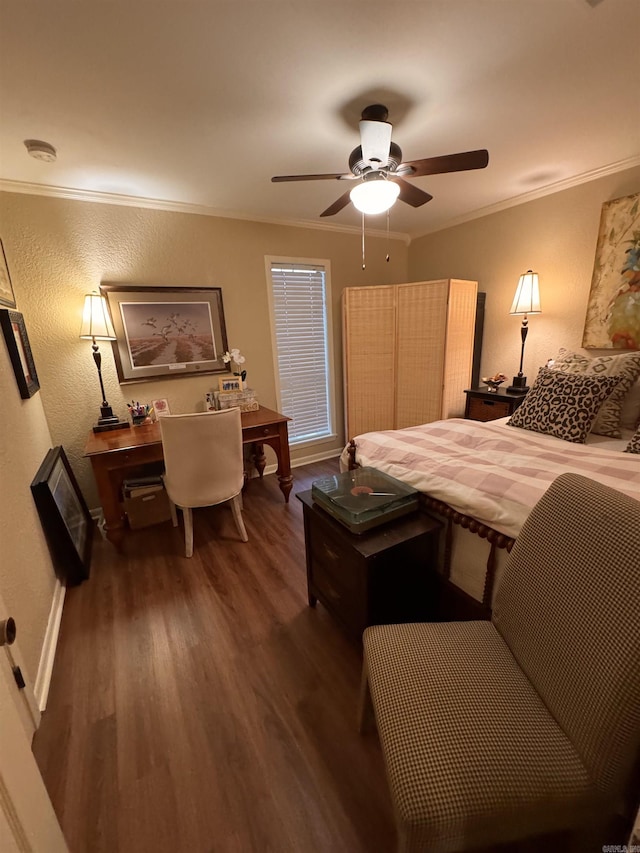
(7, 631)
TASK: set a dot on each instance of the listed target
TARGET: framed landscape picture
(164, 332)
(7, 296)
(19, 349)
(65, 517)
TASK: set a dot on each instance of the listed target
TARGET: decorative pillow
(630, 417)
(563, 404)
(634, 444)
(625, 366)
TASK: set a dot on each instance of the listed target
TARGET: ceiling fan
(377, 166)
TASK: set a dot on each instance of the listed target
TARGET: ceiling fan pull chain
(363, 261)
(388, 216)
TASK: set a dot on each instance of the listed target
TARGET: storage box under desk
(387, 574)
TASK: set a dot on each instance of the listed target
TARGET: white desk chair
(203, 465)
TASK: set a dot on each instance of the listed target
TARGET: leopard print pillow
(626, 366)
(634, 444)
(564, 405)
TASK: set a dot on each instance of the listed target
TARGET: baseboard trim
(316, 457)
(303, 460)
(47, 657)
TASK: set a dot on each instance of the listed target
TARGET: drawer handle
(331, 592)
(265, 431)
(329, 553)
(488, 402)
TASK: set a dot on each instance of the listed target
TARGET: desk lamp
(526, 301)
(97, 325)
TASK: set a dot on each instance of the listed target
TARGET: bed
(482, 480)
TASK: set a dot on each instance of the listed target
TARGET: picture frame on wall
(613, 311)
(19, 349)
(65, 517)
(7, 296)
(165, 332)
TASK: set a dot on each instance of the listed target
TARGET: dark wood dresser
(387, 574)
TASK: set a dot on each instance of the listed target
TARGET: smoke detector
(41, 150)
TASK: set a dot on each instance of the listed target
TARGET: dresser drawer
(488, 410)
(260, 433)
(334, 560)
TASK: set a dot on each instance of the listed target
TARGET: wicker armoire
(408, 353)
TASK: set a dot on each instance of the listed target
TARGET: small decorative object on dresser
(494, 382)
(484, 404)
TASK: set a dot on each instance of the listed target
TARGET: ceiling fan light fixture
(375, 195)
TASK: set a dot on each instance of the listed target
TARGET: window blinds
(300, 318)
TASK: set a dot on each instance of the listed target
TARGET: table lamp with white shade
(97, 326)
(525, 302)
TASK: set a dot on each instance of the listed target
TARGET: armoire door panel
(461, 322)
(369, 358)
(421, 312)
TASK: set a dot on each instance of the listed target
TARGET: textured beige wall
(555, 236)
(62, 249)
(27, 579)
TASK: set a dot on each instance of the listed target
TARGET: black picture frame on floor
(19, 349)
(65, 517)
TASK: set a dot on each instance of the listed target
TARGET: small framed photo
(160, 408)
(230, 383)
(65, 517)
(15, 335)
(210, 402)
(7, 296)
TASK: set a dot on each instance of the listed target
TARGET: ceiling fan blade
(338, 205)
(462, 162)
(333, 177)
(410, 194)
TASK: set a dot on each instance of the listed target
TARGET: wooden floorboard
(201, 705)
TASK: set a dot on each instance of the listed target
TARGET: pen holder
(138, 420)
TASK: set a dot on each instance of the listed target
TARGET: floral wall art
(613, 311)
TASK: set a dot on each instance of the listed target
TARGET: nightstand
(386, 574)
(484, 405)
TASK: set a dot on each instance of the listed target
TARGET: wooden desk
(112, 453)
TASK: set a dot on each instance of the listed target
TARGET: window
(299, 298)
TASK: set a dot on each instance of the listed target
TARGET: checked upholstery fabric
(528, 724)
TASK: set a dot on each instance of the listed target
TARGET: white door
(27, 821)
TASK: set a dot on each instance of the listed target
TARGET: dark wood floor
(201, 705)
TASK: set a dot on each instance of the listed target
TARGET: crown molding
(96, 197)
(532, 195)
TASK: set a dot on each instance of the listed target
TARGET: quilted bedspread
(492, 472)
